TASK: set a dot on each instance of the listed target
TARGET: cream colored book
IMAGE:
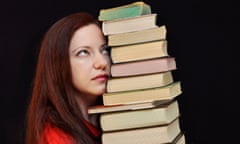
(153, 34)
(180, 139)
(149, 135)
(96, 109)
(139, 82)
(167, 92)
(124, 11)
(141, 51)
(122, 120)
(129, 24)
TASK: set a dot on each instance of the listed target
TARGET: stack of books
(140, 105)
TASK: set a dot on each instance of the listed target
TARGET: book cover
(180, 139)
(97, 109)
(152, 34)
(167, 92)
(129, 24)
(123, 120)
(141, 51)
(150, 135)
(139, 82)
(124, 11)
(141, 67)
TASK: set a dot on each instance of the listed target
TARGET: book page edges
(144, 95)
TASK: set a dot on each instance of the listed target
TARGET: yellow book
(167, 92)
(141, 51)
(139, 82)
(153, 34)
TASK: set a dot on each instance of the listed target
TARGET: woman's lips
(101, 78)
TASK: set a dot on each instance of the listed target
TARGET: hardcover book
(143, 67)
(153, 34)
(180, 139)
(167, 92)
(129, 24)
(158, 115)
(124, 11)
(139, 82)
(149, 135)
(141, 51)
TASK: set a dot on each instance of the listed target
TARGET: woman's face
(90, 61)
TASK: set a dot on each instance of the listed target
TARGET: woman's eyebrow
(82, 46)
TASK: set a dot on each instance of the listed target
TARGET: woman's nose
(100, 61)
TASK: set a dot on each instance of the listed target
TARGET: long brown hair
(52, 99)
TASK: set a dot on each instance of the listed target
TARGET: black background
(198, 37)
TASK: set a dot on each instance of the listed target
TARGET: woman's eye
(83, 53)
(106, 51)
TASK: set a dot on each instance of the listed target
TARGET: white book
(132, 24)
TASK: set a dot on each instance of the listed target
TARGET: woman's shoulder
(54, 135)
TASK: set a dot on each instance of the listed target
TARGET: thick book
(141, 51)
(149, 135)
(97, 109)
(167, 92)
(129, 24)
(139, 82)
(153, 34)
(143, 67)
(123, 120)
(124, 11)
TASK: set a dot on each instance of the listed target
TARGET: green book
(124, 11)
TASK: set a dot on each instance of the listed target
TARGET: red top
(95, 132)
(54, 135)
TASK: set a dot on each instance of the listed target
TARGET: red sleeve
(95, 132)
(53, 135)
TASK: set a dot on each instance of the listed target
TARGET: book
(152, 34)
(140, 104)
(129, 24)
(180, 139)
(124, 11)
(98, 109)
(126, 120)
(139, 82)
(143, 67)
(141, 51)
(167, 92)
(147, 135)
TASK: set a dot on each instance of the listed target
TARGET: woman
(72, 71)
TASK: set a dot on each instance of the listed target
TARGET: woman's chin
(101, 91)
